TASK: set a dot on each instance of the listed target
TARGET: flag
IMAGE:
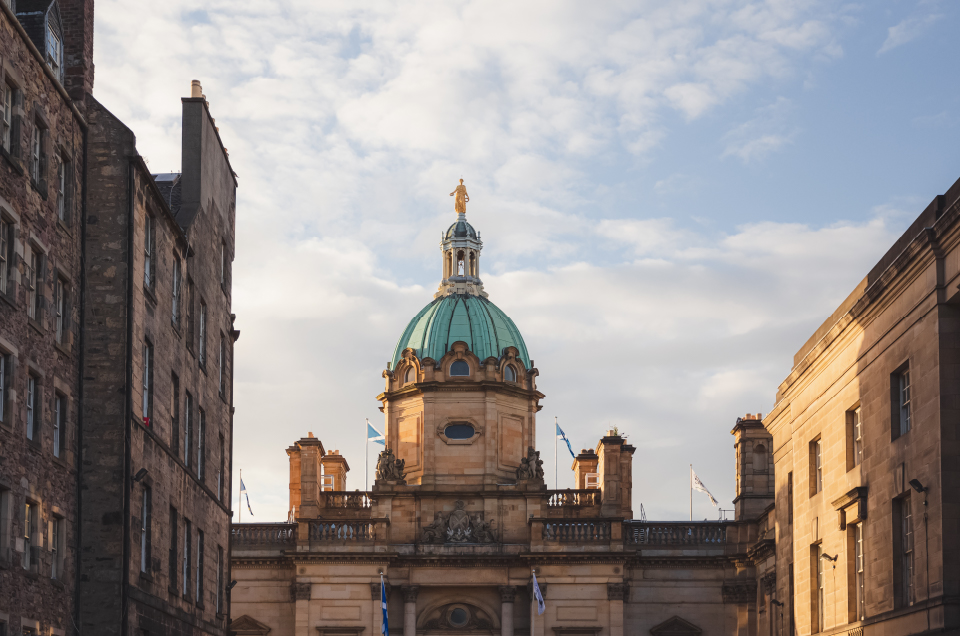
(373, 435)
(562, 436)
(243, 491)
(537, 595)
(384, 628)
(698, 485)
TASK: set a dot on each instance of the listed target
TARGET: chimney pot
(309, 434)
(195, 89)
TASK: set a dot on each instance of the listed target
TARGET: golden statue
(460, 203)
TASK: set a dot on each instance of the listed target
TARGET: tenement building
(866, 442)
(157, 406)
(41, 166)
(459, 518)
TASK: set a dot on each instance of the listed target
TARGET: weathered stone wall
(29, 470)
(183, 469)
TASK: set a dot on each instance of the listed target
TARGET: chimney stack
(77, 19)
(195, 89)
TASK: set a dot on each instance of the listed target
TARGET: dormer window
(459, 368)
(54, 54)
(509, 373)
(410, 376)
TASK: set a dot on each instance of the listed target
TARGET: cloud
(907, 30)
(767, 132)
(348, 123)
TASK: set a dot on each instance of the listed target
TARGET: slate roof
(461, 229)
(169, 185)
(32, 15)
(472, 319)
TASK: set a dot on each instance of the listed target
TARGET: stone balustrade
(323, 531)
(576, 530)
(345, 499)
(679, 533)
(264, 534)
(570, 498)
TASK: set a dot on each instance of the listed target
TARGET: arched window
(509, 373)
(460, 263)
(410, 376)
(759, 459)
(460, 368)
(473, 264)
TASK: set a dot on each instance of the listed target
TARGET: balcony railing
(576, 531)
(642, 533)
(355, 500)
(329, 531)
(264, 534)
(572, 498)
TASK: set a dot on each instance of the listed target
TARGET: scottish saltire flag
(563, 436)
(373, 435)
(384, 628)
(698, 485)
(541, 606)
(243, 491)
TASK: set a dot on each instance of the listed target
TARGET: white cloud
(767, 132)
(907, 30)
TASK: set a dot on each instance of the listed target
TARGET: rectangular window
(185, 573)
(220, 361)
(172, 555)
(56, 548)
(789, 498)
(175, 413)
(148, 242)
(219, 580)
(190, 314)
(223, 460)
(187, 433)
(199, 573)
(60, 307)
(792, 601)
(854, 439)
(6, 254)
(54, 54)
(59, 430)
(36, 153)
(223, 263)
(904, 392)
(33, 403)
(34, 275)
(6, 126)
(29, 535)
(202, 346)
(175, 309)
(145, 532)
(858, 568)
(62, 189)
(903, 551)
(147, 402)
(817, 598)
(4, 377)
(816, 466)
(201, 444)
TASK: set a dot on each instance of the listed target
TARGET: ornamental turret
(461, 247)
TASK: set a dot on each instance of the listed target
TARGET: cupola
(461, 247)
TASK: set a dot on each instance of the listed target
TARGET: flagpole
(366, 458)
(556, 462)
(533, 603)
(240, 500)
(691, 492)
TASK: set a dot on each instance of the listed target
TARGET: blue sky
(672, 195)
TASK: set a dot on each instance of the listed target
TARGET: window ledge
(63, 348)
(150, 293)
(39, 187)
(36, 325)
(146, 576)
(9, 296)
(64, 227)
(57, 583)
(13, 161)
(176, 328)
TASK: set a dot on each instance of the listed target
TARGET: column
(507, 594)
(301, 596)
(410, 609)
(617, 593)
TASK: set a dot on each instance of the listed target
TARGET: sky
(673, 195)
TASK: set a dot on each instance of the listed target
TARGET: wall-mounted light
(231, 585)
(917, 485)
(831, 558)
(140, 475)
(776, 602)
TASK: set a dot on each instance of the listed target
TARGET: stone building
(157, 407)
(865, 440)
(459, 517)
(41, 167)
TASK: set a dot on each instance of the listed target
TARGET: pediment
(247, 626)
(675, 626)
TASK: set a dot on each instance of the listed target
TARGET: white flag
(698, 485)
(537, 595)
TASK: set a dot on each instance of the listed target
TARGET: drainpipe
(128, 403)
(77, 629)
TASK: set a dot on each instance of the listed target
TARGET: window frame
(457, 363)
(177, 291)
(54, 48)
(199, 570)
(29, 534)
(7, 105)
(187, 433)
(149, 252)
(146, 512)
(33, 404)
(173, 557)
(6, 254)
(202, 344)
(185, 573)
(854, 423)
(904, 553)
(816, 466)
(201, 446)
(60, 309)
(146, 405)
(901, 402)
(59, 424)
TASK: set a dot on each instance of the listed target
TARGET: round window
(459, 617)
(460, 367)
(459, 430)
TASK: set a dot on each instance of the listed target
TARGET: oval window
(459, 617)
(460, 367)
(459, 430)
(509, 373)
(411, 375)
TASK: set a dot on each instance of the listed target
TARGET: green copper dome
(472, 319)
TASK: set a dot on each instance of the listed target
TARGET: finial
(460, 202)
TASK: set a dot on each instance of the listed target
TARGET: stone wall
(30, 470)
